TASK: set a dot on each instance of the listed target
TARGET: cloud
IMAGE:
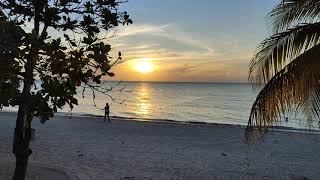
(168, 31)
(182, 69)
(142, 29)
(136, 47)
(180, 55)
(179, 35)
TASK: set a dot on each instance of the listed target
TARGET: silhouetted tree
(61, 44)
(287, 63)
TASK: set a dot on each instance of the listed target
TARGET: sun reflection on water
(144, 106)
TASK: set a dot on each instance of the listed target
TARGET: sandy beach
(127, 149)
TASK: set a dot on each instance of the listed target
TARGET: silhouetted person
(106, 112)
(287, 119)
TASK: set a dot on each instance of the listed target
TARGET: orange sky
(211, 45)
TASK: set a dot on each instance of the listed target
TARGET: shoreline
(272, 128)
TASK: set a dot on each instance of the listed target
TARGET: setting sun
(144, 67)
(150, 89)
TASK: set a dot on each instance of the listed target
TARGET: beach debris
(223, 154)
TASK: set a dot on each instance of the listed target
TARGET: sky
(191, 41)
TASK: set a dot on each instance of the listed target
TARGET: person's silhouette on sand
(106, 112)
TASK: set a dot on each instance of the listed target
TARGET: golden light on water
(144, 67)
(143, 105)
(144, 109)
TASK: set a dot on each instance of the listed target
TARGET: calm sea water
(197, 102)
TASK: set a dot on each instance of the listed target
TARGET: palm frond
(277, 51)
(289, 13)
(288, 88)
(310, 105)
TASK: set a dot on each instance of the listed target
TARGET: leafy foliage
(64, 49)
(280, 49)
(9, 67)
(289, 13)
(288, 64)
(296, 85)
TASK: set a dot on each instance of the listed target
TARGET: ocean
(221, 103)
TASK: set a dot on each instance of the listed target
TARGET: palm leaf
(294, 85)
(289, 13)
(280, 49)
(310, 105)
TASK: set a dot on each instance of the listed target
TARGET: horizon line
(216, 82)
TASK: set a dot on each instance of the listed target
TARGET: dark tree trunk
(22, 133)
(21, 168)
(21, 142)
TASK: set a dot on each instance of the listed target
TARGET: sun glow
(144, 67)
